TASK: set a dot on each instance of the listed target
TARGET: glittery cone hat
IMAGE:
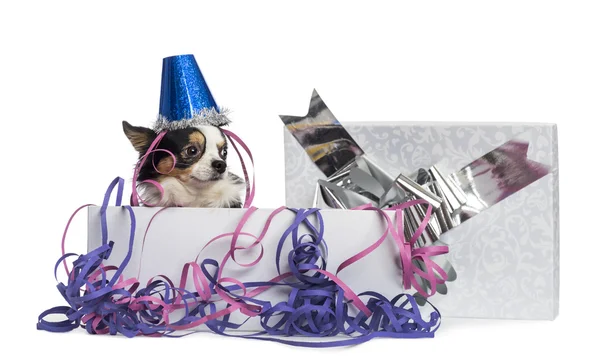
(185, 98)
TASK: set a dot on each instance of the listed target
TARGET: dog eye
(224, 153)
(191, 151)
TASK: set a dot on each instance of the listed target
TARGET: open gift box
(507, 256)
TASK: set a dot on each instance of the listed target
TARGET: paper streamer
(102, 301)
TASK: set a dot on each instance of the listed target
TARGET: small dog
(200, 177)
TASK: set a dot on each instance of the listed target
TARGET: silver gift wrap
(494, 193)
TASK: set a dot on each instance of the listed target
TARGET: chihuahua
(198, 177)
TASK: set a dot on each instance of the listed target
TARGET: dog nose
(219, 166)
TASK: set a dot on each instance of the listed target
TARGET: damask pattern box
(506, 258)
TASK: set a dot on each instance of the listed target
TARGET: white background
(70, 72)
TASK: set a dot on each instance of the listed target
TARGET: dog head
(199, 163)
(200, 152)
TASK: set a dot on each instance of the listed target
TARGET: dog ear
(140, 137)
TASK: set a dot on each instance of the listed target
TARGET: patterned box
(507, 257)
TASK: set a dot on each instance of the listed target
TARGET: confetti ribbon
(319, 304)
(412, 259)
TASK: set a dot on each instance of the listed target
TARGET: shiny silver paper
(455, 197)
(322, 137)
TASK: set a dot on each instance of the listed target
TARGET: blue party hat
(185, 98)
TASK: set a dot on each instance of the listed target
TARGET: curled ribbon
(103, 302)
(412, 259)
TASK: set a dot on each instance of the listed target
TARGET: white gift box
(507, 257)
(178, 236)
